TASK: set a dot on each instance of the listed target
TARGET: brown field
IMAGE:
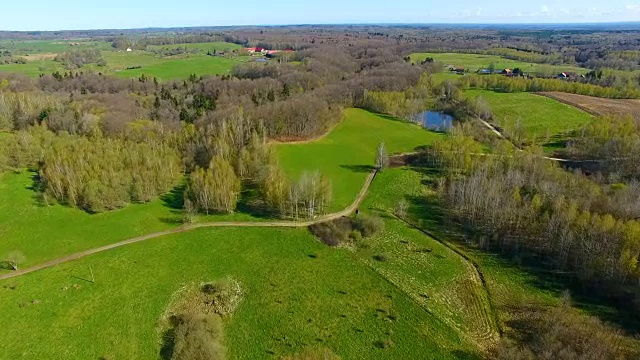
(599, 106)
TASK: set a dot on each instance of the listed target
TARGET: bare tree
(382, 158)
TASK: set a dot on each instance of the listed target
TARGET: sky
(119, 14)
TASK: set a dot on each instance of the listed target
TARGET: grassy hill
(298, 293)
(347, 154)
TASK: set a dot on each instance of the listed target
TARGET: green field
(417, 301)
(201, 47)
(474, 62)
(543, 120)
(347, 154)
(179, 68)
(428, 271)
(152, 65)
(24, 47)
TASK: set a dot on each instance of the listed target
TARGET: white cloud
(545, 9)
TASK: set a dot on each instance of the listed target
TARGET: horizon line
(458, 24)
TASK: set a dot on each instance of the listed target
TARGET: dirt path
(290, 224)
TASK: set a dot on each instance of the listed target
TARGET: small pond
(437, 121)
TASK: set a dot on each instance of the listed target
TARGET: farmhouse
(567, 75)
(254, 50)
(129, 50)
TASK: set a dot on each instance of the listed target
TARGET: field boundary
(564, 101)
(471, 264)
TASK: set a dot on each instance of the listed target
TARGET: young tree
(401, 208)
(216, 188)
(382, 158)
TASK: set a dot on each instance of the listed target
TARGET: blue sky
(78, 14)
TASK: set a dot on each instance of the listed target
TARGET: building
(129, 50)
(567, 75)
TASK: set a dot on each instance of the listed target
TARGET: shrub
(343, 230)
(198, 337)
(333, 233)
(369, 225)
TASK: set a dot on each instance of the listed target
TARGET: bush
(198, 337)
(369, 225)
(343, 230)
(333, 233)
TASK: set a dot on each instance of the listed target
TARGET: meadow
(202, 48)
(542, 120)
(347, 154)
(474, 62)
(165, 68)
(417, 303)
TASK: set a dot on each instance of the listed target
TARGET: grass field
(474, 62)
(599, 106)
(348, 153)
(201, 47)
(181, 68)
(298, 293)
(429, 272)
(543, 120)
(152, 65)
(24, 47)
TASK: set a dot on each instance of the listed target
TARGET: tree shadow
(168, 344)
(6, 265)
(358, 168)
(174, 199)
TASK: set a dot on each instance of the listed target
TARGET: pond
(437, 121)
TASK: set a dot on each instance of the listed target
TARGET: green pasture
(24, 47)
(201, 47)
(474, 62)
(348, 153)
(542, 120)
(181, 68)
(428, 271)
(298, 293)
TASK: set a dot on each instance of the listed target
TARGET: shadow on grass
(617, 308)
(174, 199)
(358, 168)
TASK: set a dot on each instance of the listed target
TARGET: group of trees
(78, 58)
(525, 206)
(614, 143)
(96, 173)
